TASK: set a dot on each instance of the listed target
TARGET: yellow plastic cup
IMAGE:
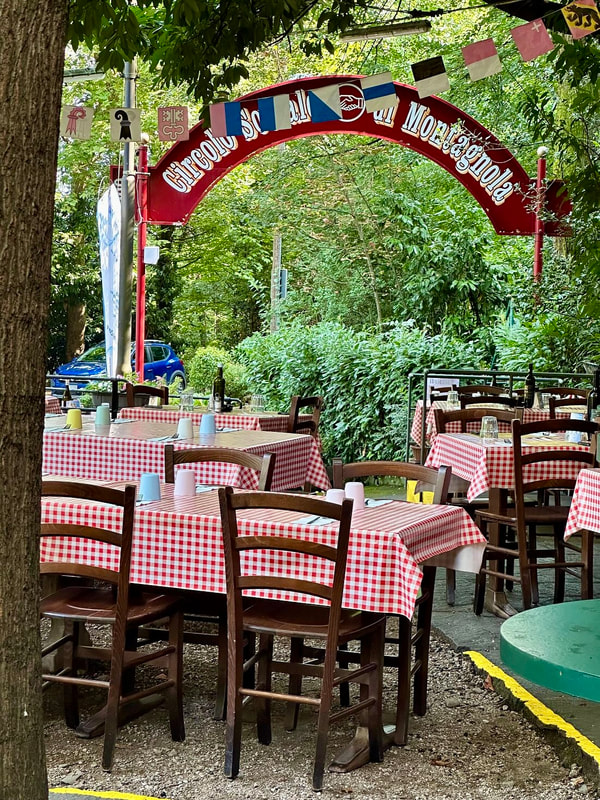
(74, 418)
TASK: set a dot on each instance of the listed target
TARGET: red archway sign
(430, 126)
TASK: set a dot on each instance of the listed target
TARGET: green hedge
(363, 378)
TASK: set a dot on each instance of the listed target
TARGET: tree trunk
(31, 64)
(76, 321)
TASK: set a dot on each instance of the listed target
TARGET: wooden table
(584, 513)
(487, 466)
(177, 543)
(123, 451)
(238, 419)
(416, 430)
(52, 404)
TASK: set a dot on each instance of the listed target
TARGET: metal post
(127, 230)
(539, 211)
(142, 211)
(276, 266)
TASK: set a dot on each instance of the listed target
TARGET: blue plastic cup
(149, 486)
(208, 424)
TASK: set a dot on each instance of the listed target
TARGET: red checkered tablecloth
(584, 513)
(178, 544)
(239, 421)
(123, 451)
(489, 464)
(52, 404)
(529, 415)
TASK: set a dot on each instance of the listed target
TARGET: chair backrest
(468, 420)
(577, 402)
(440, 393)
(480, 388)
(119, 540)
(565, 391)
(304, 405)
(498, 399)
(246, 574)
(429, 479)
(264, 464)
(524, 462)
(141, 390)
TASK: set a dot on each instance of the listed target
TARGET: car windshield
(96, 353)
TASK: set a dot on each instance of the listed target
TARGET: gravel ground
(468, 745)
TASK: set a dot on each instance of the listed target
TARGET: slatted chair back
(468, 420)
(480, 388)
(429, 479)
(302, 406)
(504, 400)
(576, 404)
(264, 465)
(140, 391)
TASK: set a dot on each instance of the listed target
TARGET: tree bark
(31, 65)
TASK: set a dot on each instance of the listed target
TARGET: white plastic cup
(103, 415)
(208, 424)
(149, 486)
(185, 429)
(335, 496)
(356, 491)
(74, 418)
(185, 483)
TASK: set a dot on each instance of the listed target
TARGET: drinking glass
(489, 428)
(257, 402)
(453, 400)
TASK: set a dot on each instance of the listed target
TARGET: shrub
(363, 378)
(203, 368)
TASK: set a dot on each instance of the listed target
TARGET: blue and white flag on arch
(274, 113)
(226, 119)
(325, 104)
(379, 92)
(108, 216)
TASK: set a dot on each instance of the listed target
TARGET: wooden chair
(561, 392)
(439, 482)
(480, 388)
(141, 391)
(440, 393)
(525, 519)
(118, 606)
(207, 607)
(469, 419)
(565, 402)
(329, 624)
(303, 405)
(504, 400)
(264, 465)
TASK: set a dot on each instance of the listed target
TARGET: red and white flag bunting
(532, 40)
(481, 59)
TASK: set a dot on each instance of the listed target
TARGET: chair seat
(85, 603)
(295, 619)
(532, 515)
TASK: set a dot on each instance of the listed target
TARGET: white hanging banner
(109, 237)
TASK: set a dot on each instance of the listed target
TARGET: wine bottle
(529, 394)
(219, 390)
(67, 396)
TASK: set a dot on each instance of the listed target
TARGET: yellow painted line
(108, 795)
(537, 708)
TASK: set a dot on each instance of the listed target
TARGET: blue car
(160, 361)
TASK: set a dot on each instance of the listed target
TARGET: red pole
(142, 220)
(539, 211)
